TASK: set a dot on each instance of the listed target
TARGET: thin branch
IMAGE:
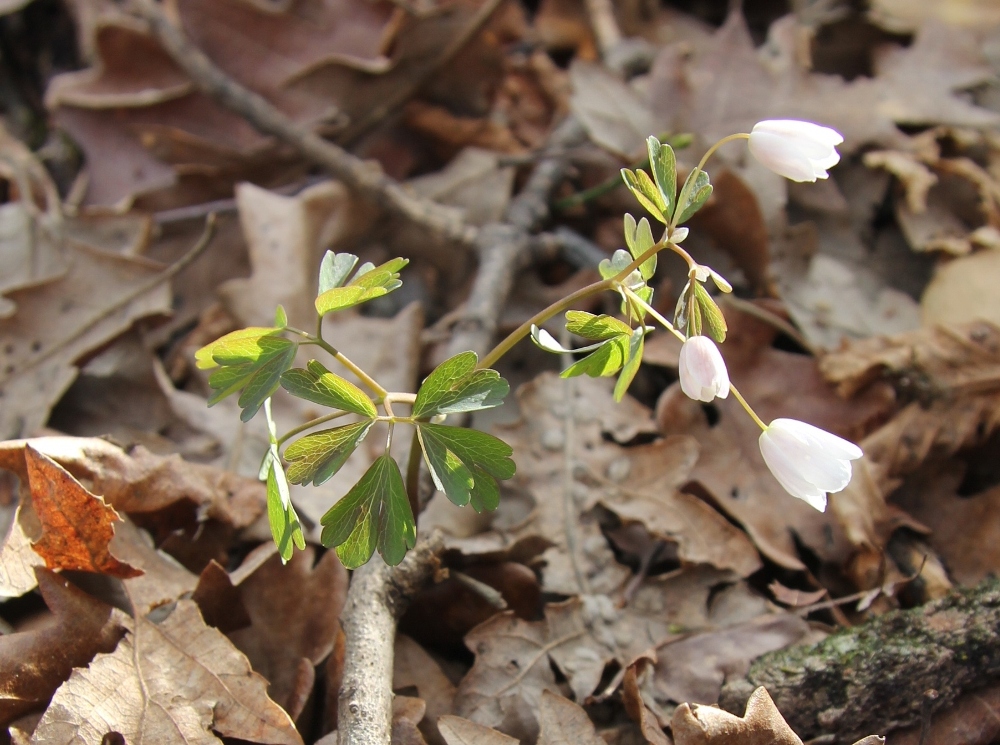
(362, 177)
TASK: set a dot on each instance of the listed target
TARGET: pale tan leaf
(458, 731)
(17, 560)
(707, 725)
(564, 722)
(178, 681)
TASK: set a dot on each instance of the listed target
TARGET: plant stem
(655, 314)
(560, 305)
(413, 474)
(747, 407)
(310, 424)
(720, 143)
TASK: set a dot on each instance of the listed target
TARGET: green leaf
(595, 328)
(253, 365)
(466, 463)
(631, 366)
(318, 456)
(663, 163)
(639, 239)
(334, 270)
(695, 193)
(235, 340)
(280, 317)
(285, 526)
(643, 189)
(375, 513)
(712, 319)
(367, 284)
(456, 385)
(604, 361)
(319, 385)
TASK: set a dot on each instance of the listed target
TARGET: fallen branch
(363, 177)
(886, 673)
(377, 597)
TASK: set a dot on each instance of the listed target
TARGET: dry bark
(887, 673)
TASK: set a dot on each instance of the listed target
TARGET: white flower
(806, 460)
(702, 370)
(800, 151)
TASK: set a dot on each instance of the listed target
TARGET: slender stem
(655, 314)
(692, 264)
(605, 284)
(310, 424)
(720, 143)
(746, 406)
(413, 474)
(319, 341)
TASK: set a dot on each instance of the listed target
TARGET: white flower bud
(702, 370)
(806, 460)
(800, 151)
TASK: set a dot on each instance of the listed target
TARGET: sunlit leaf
(280, 317)
(606, 360)
(595, 328)
(712, 319)
(644, 190)
(456, 386)
(639, 239)
(319, 385)
(366, 285)
(631, 366)
(374, 514)
(253, 366)
(695, 193)
(664, 167)
(466, 463)
(285, 526)
(316, 457)
(245, 339)
(335, 269)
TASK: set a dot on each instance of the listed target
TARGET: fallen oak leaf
(171, 683)
(33, 664)
(77, 526)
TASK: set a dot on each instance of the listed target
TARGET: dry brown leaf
(163, 579)
(564, 722)
(407, 713)
(614, 115)
(636, 706)
(77, 526)
(693, 668)
(176, 681)
(414, 668)
(100, 296)
(294, 610)
(706, 725)
(903, 16)
(731, 85)
(962, 291)
(973, 719)
(139, 482)
(17, 559)
(459, 731)
(34, 663)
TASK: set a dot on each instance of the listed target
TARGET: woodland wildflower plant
(377, 513)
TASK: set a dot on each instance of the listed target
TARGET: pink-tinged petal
(702, 371)
(775, 153)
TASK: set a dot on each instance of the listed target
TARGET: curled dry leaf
(706, 725)
(33, 664)
(175, 682)
(636, 706)
(17, 559)
(77, 527)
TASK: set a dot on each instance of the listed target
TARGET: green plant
(467, 465)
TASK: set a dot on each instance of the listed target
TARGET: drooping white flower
(702, 370)
(807, 461)
(800, 151)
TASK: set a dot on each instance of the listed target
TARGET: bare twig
(376, 599)
(363, 177)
